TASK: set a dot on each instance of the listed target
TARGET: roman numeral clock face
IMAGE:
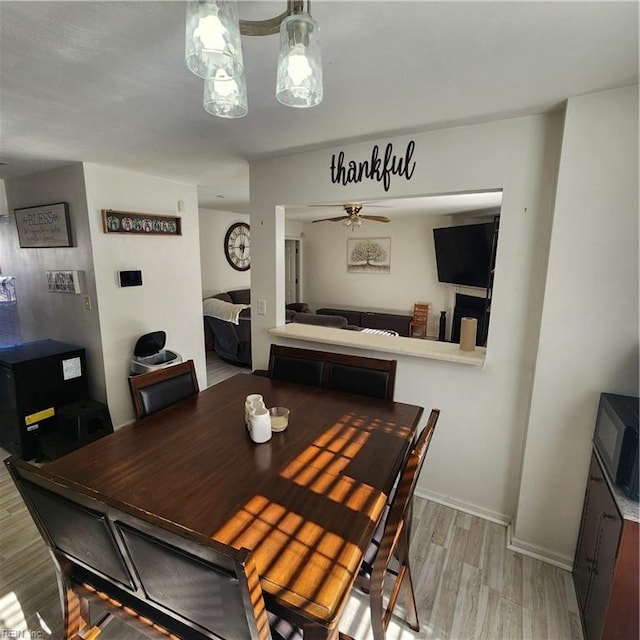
(237, 242)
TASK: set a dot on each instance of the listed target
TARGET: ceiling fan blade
(377, 218)
(338, 219)
(342, 205)
(337, 204)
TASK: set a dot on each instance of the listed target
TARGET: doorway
(292, 270)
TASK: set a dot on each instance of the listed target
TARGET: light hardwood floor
(219, 370)
(468, 585)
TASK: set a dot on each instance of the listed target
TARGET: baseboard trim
(539, 553)
(465, 507)
(513, 544)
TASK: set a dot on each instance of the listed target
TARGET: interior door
(292, 270)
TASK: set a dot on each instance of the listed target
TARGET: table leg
(314, 631)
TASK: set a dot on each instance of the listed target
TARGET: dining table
(306, 502)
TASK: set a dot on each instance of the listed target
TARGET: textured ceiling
(105, 82)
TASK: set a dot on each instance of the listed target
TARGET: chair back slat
(158, 389)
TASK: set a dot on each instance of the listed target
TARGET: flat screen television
(463, 253)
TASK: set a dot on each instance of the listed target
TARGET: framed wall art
(149, 224)
(369, 255)
(44, 226)
(65, 281)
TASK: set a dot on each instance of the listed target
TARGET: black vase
(443, 326)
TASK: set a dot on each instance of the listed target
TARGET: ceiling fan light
(225, 97)
(299, 78)
(212, 38)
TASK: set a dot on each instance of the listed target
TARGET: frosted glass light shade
(225, 97)
(212, 38)
(299, 81)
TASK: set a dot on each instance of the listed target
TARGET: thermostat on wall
(130, 278)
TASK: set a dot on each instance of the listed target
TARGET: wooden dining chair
(158, 389)
(418, 324)
(305, 366)
(115, 561)
(391, 540)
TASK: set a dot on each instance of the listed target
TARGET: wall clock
(237, 242)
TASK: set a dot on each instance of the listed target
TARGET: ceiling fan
(353, 217)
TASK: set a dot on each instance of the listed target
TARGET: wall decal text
(378, 167)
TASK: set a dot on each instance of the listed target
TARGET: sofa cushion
(231, 342)
(373, 319)
(299, 307)
(353, 317)
(240, 296)
(338, 322)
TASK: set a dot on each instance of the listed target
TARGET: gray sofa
(232, 342)
(372, 320)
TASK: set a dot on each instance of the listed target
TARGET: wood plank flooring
(219, 370)
(468, 585)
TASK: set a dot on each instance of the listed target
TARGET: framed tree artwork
(369, 255)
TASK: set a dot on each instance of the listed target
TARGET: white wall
(589, 329)
(412, 278)
(476, 458)
(170, 296)
(475, 455)
(54, 315)
(217, 273)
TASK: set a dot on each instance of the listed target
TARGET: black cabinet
(36, 378)
(605, 570)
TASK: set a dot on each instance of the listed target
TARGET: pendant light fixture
(213, 51)
(299, 82)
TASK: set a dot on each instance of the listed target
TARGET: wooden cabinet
(606, 564)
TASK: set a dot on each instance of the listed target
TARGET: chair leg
(410, 599)
(405, 579)
(73, 613)
(378, 625)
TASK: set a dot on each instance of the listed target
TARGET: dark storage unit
(605, 570)
(78, 423)
(36, 378)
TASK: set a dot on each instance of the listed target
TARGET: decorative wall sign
(376, 168)
(369, 255)
(149, 224)
(44, 226)
(65, 281)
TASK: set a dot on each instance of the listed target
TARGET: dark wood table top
(306, 502)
